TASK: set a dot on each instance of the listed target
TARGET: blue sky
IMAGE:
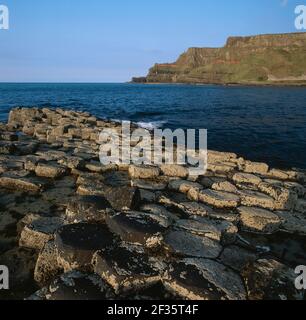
(113, 40)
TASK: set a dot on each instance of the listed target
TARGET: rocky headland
(276, 59)
(72, 228)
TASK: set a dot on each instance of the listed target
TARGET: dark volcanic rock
(39, 232)
(75, 285)
(7, 147)
(9, 136)
(119, 196)
(202, 279)
(46, 265)
(187, 244)
(122, 197)
(125, 269)
(270, 280)
(50, 176)
(136, 228)
(222, 231)
(76, 244)
(21, 264)
(87, 209)
(236, 257)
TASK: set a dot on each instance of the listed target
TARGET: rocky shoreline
(71, 228)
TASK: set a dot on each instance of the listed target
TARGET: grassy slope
(262, 65)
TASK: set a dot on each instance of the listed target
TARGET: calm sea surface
(259, 123)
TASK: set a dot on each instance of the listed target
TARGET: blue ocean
(259, 123)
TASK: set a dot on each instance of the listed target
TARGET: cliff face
(263, 59)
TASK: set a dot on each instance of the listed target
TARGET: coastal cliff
(262, 59)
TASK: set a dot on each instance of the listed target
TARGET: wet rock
(21, 264)
(87, 209)
(160, 214)
(136, 227)
(9, 136)
(236, 257)
(143, 172)
(292, 222)
(219, 199)
(34, 205)
(116, 179)
(7, 147)
(46, 267)
(147, 196)
(58, 195)
(296, 188)
(125, 268)
(76, 286)
(6, 220)
(173, 170)
(300, 206)
(122, 197)
(270, 280)
(202, 279)
(221, 231)
(259, 220)
(256, 199)
(76, 244)
(39, 232)
(6, 243)
(187, 244)
(50, 170)
(11, 163)
(26, 148)
(246, 178)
